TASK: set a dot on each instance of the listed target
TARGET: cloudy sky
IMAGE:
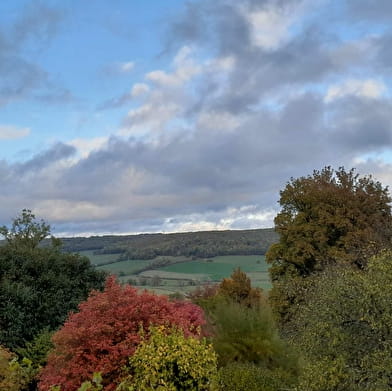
(128, 116)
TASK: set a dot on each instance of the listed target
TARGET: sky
(130, 116)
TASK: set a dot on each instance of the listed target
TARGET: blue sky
(134, 116)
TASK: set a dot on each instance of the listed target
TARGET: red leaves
(102, 336)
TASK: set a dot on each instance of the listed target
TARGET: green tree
(344, 329)
(25, 231)
(332, 217)
(38, 285)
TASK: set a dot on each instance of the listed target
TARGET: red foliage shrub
(105, 332)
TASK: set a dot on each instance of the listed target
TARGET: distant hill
(190, 244)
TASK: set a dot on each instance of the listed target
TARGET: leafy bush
(242, 334)
(105, 333)
(345, 327)
(14, 375)
(250, 377)
(169, 361)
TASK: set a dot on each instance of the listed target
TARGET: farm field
(168, 275)
(99, 259)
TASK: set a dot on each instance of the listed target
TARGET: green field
(125, 267)
(99, 259)
(220, 267)
(182, 274)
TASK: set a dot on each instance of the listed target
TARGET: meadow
(169, 275)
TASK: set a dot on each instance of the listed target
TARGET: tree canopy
(38, 286)
(25, 230)
(332, 216)
(344, 329)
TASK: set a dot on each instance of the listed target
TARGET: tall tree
(38, 285)
(331, 217)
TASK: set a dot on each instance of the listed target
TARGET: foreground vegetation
(325, 325)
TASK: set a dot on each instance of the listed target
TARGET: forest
(325, 324)
(190, 244)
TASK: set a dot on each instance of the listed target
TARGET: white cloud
(184, 69)
(65, 210)
(10, 132)
(245, 217)
(369, 88)
(271, 25)
(86, 146)
(139, 89)
(125, 67)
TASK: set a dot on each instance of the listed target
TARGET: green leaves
(172, 362)
(344, 329)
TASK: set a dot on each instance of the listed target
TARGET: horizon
(186, 116)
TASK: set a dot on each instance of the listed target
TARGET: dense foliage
(105, 332)
(38, 286)
(168, 360)
(15, 375)
(245, 337)
(345, 329)
(329, 218)
(191, 244)
(246, 376)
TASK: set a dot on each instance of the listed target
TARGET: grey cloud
(362, 124)
(116, 102)
(44, 159)
(38, 22)
(19, 76)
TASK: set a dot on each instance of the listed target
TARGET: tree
(332, 217)
(344, 329)
(26, 231)
(238, 289)
(38, 285)
(106, 332)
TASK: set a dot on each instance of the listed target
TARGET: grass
(182, 274)
(99, 259)
(126, 267)
(220, 267)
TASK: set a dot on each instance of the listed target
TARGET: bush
(345, 327)
(250, 377)
(168, 360)
(105, 333)
(14, 375)
(242, 334)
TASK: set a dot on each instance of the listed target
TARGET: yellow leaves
(169, 360)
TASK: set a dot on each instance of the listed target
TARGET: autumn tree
(331, 217)
(238, 289)
(106, 332)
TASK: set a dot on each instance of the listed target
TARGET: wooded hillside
(197, 244)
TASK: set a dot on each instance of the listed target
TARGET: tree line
(190, 244)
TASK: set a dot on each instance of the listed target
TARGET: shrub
(345, 328)
(105, 333)
(250, 377)
(242, 334)
(170, 361)
(14, 375)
